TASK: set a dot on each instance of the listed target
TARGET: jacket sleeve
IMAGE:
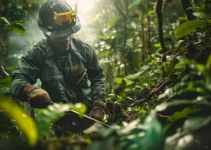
(95, 75)
(26, 72)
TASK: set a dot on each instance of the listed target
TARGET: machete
(74, 122)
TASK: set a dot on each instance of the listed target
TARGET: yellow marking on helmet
(64, 17)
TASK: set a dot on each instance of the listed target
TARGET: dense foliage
(156, 57)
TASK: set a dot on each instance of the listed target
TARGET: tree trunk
(125, 36)
(193, 3)
(149, 30)
(125, 16)
(159, 11)
(189, 12)
(143, 38)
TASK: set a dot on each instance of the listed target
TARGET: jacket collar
(72, 44)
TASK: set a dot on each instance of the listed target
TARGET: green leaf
(46, 117)
(5, 82)
(191, 91)
(129, 43)
(168, 69)
(179, 43)
(171, 141)
(144, 9)
(179, 141)
(138, 74)
(145, 136)
(10, 68)
(134, 5)
(205, 71)
(182, 114)
(196, 123)
(119, 80)
(16, 27)
(157, 45)
(186, 142)
(153, 134)
(177, 105)
(200, 14)
(5, 85)
(134, 76)
(138, 4)
(79, 107)
(113, 21)
(22, 120)
(208, 64)
(123, 81)
(4, 20)
(207, 32)
(189, 27)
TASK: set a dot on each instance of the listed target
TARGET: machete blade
(73, 122)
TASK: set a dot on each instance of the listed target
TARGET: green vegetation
(156, 57)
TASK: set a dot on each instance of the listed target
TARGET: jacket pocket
(80, 79)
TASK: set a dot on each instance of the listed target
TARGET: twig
(155, 92)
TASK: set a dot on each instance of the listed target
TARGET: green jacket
(76, 77)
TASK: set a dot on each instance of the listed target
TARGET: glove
(37, 97)
(99, 110)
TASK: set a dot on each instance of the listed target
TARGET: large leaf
(182, 114)
(16, 27)
(45, 117)
(191, 91)
(189, 27)
(177, 116)
(21, 119)
(145, 136)
(153, 135)
(143, 69)
(196, 123)
(178, 105)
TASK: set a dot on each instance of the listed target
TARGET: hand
(37, 97)
(99, 110)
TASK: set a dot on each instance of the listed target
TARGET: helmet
(57, 19)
